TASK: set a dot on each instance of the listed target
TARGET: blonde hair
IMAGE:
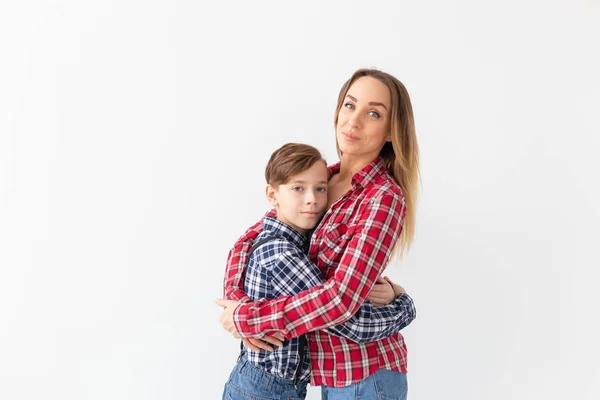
(401, 155)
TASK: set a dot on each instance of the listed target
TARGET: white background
(133, 139)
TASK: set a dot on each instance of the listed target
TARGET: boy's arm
(372, 323)
(366, 254)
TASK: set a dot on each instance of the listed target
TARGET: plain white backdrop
(133, 140)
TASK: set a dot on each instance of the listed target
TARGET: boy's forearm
(371, 323)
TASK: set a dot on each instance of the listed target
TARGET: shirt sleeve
(237, 262)
(338, 299)
(372, 323)
(293, 272)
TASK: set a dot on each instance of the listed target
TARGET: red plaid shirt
(351, 246)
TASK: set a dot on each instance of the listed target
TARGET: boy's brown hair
(289, 160)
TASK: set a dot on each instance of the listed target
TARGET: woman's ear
(271, 193)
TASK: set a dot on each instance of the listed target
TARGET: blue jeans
(248, 382)
(382, 385)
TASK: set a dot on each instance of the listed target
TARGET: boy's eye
(374, 114)
(322, 189)
(297, 188)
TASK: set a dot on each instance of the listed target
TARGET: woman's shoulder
(384, 186)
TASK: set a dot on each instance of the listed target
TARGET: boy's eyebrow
(303, 182)
(371, 103)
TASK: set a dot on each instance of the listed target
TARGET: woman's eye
(349, 105)
(374, 114)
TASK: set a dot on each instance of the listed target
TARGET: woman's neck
(350, 165)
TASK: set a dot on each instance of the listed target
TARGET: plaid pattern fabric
(280, 267)
(351, 247)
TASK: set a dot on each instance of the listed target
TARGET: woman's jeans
(250, 382)
(382, 385)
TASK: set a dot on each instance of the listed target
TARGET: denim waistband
(265, 379)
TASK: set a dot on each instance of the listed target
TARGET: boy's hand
(257, 344)
(382, 293)
(398, 290)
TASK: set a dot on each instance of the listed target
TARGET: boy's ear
(272, 195)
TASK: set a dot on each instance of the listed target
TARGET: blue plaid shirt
(281, 267)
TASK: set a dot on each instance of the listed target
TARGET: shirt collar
(274, 227)
(366, 175)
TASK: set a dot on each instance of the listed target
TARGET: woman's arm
(233, 281)
(291, 272)
(237, 262)
(336, 301)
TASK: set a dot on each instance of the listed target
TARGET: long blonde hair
(401, 155)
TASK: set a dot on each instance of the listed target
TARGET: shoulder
(269, 249)
(385, 189)
(267, 242)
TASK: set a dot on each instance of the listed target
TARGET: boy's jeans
(382, 385)
(250, 382)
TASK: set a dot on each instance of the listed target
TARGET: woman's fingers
(227, 303)
(226, 317)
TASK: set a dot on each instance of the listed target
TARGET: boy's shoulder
(269, 238)
(272, 243)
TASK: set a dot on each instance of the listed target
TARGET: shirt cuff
(407, 301)
(240, 319)
(404, 297)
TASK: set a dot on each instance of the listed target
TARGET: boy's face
(302, 201)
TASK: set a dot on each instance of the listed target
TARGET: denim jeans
(382, 385)
(248, 382)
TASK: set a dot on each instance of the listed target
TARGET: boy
(297, 177)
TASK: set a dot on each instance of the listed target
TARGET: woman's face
(363, 125)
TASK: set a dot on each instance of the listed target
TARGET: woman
(371, 213)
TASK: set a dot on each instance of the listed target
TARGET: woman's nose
(354, 121)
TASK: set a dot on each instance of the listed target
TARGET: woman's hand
(382, 293)
(226, 317)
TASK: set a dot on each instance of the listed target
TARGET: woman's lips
(350, 136)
